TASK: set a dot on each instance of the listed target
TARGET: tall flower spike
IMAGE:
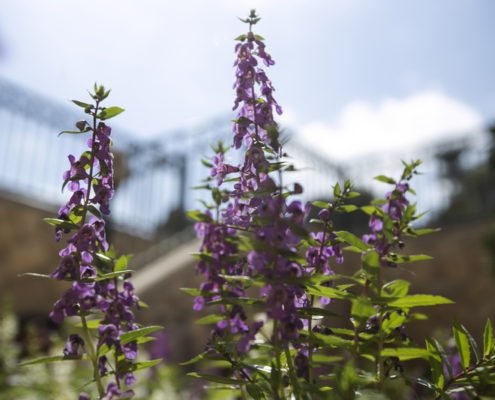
(98, 283)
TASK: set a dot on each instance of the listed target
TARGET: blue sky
(350, 71)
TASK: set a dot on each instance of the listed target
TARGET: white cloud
(364, 128)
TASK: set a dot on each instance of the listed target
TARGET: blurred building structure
(154, 180)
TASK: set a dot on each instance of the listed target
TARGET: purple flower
(113, 392)
(72, 345)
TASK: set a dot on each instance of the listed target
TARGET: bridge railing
(157, 174)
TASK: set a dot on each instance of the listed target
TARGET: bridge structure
(157, 174)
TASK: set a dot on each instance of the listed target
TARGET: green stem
(276, 345)
(293, 375)
(92, 355)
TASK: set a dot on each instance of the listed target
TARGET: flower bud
(81, 125)
(324, 214)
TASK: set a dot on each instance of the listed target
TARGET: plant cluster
(270, 276)
(101, 293)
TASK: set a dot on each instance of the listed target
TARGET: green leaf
(487, 338)
(353, 240)
(91, 324)
(254, 391)
(146, 364)
(385, 179)
(48, 359)
(217, 379)
(192, 291)
(334, 341)
(110, 112)
(320, 204)
(315, 311)
(35, 275)
(324, 291)
(417, 300)
(435, 363)
(111, 275)
(347, 208)
(210, 319)
(371, 262)
(61, 223)
(472, 342)
(71, 132)
(423, 382)
(81, 104)
(199, 216)
(133, 335)
(199, 357)
(462, 344)
(398, 258)
(121, 263)
(406, 353)
(336, 190)
(362, 308)
(397, 288)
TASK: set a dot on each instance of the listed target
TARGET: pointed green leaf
(418, 300)
(487, 338)
(462, 344)
(210, 319)
(81, 104)
(435, 363)
(61, 223)
(353, 240)
(320, 204)
(217, 379)
(110, 112)
(406, 353)
(133, 335)
(385, 179)
(199, 216)
(121, 263)
(35, 275)
(111, 275)
(42, 360)
(199, 357)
